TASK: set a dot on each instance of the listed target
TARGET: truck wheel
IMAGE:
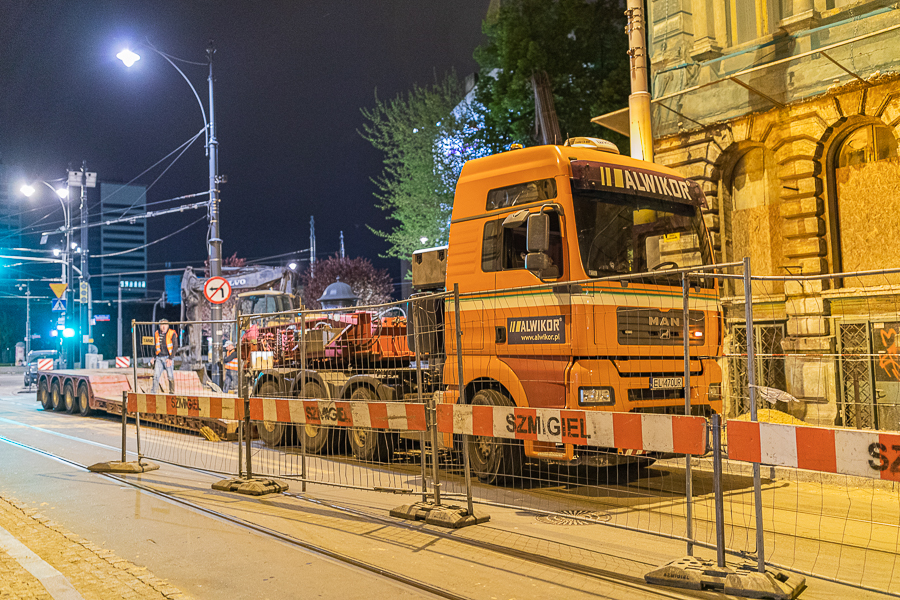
(314, 436)
(56, 396)
(70, 402)
(270, 432)
(369, 444)
(495, 461)
(43, 394)
(84, 401)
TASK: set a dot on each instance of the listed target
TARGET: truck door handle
(500, 335)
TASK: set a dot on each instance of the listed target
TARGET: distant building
(788, 115)
(11, 206)
(117, 200)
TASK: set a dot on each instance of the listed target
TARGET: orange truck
(538, 237)
(539, 241)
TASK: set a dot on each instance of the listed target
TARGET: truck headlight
(715, 392)
(596, 396)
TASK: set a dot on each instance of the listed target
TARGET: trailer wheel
(314, 436)
(56, 396)
(84, 401)
(70, 402)
(494, 461)
(43, 394)
(270, 432)
(370, 444)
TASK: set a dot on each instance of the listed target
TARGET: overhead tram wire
(183, 148)
(149, 243)
(30, 229)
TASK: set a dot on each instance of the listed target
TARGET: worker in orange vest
(166, 344)
(231, 366)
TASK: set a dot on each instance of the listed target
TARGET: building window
(864, 205)
(866, 145)
(753, 218)
(747, 20)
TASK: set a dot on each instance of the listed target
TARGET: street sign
(99, 318)
(59, 289)
(59, 304)
(217, 290)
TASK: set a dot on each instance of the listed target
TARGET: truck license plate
(666, 383)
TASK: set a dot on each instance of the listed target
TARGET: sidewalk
(41, 560)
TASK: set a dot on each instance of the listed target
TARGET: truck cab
(540, 239)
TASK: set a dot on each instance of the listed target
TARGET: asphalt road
(198, 539)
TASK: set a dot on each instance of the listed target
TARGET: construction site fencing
(187, 420)
(338, 396)
(812, 394)
(658, 402)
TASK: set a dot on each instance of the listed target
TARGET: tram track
(613, 578)
(634, 584)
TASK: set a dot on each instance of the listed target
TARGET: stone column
(810, 379)
(705, 46)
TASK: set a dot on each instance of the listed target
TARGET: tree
(426, 137)
(582, 47)
(371, 285)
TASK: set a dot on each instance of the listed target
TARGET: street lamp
(62, 194)
(214, 242)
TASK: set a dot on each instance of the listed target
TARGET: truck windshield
(620, 234)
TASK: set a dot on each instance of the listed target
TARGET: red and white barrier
(375, 415)
(45, 364)
(628, 431)
(208, 407)
(123, 362)
(844, 451)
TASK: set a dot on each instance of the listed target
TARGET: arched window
(866, 145)
(866, 200)
(753, 218)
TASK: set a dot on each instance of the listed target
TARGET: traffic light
(68, 332)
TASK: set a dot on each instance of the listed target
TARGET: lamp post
(214, 242)
(61, 194)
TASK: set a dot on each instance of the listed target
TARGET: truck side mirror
(538, 232)
(537, 263)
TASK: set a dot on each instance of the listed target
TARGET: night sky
(290, 79)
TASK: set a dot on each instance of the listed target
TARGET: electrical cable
(147, 244)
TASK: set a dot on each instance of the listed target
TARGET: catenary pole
(215, 241)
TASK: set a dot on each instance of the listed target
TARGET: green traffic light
(68, 332)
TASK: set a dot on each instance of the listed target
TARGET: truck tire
(56, 396)
(370, 444)
(70, 402)
(43, 394)
(495, 461)
(314, 436)
(84, 401)
(270, 432)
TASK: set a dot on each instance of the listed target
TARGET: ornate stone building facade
(788, 115)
